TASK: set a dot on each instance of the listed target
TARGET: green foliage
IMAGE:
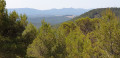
(96, 13)
(13, 44)
(67, 27)
(74, 44)
(23, 21)
(109, 30)
(86, 24)
(44, 43)
(94, 47)
(84, 38)
(13, 16)
(29, 34)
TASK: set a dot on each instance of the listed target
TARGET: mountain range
(64, 11)
(52, 16)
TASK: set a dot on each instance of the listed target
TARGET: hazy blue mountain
(53, 16)
(64, 11)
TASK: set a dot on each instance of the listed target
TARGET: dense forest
(84, 38)
(97, 13)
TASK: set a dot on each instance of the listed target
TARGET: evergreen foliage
(84, 38)
(96, 13)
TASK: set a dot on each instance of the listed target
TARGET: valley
(52, 16)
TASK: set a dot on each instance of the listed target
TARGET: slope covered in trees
(84, 38)
(97, 13)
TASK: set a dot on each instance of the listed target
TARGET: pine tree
(74, 44)
(86, 25)
(44, 44)
(109, 33)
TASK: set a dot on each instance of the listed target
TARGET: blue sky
(58, 4)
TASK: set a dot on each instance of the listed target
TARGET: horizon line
(62, 8)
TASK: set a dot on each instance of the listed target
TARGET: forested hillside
(97, 13)
(84, 38)
(53, 20)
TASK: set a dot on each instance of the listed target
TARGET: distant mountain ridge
(64, 11)
(52, 16)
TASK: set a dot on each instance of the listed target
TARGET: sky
(58, 4)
